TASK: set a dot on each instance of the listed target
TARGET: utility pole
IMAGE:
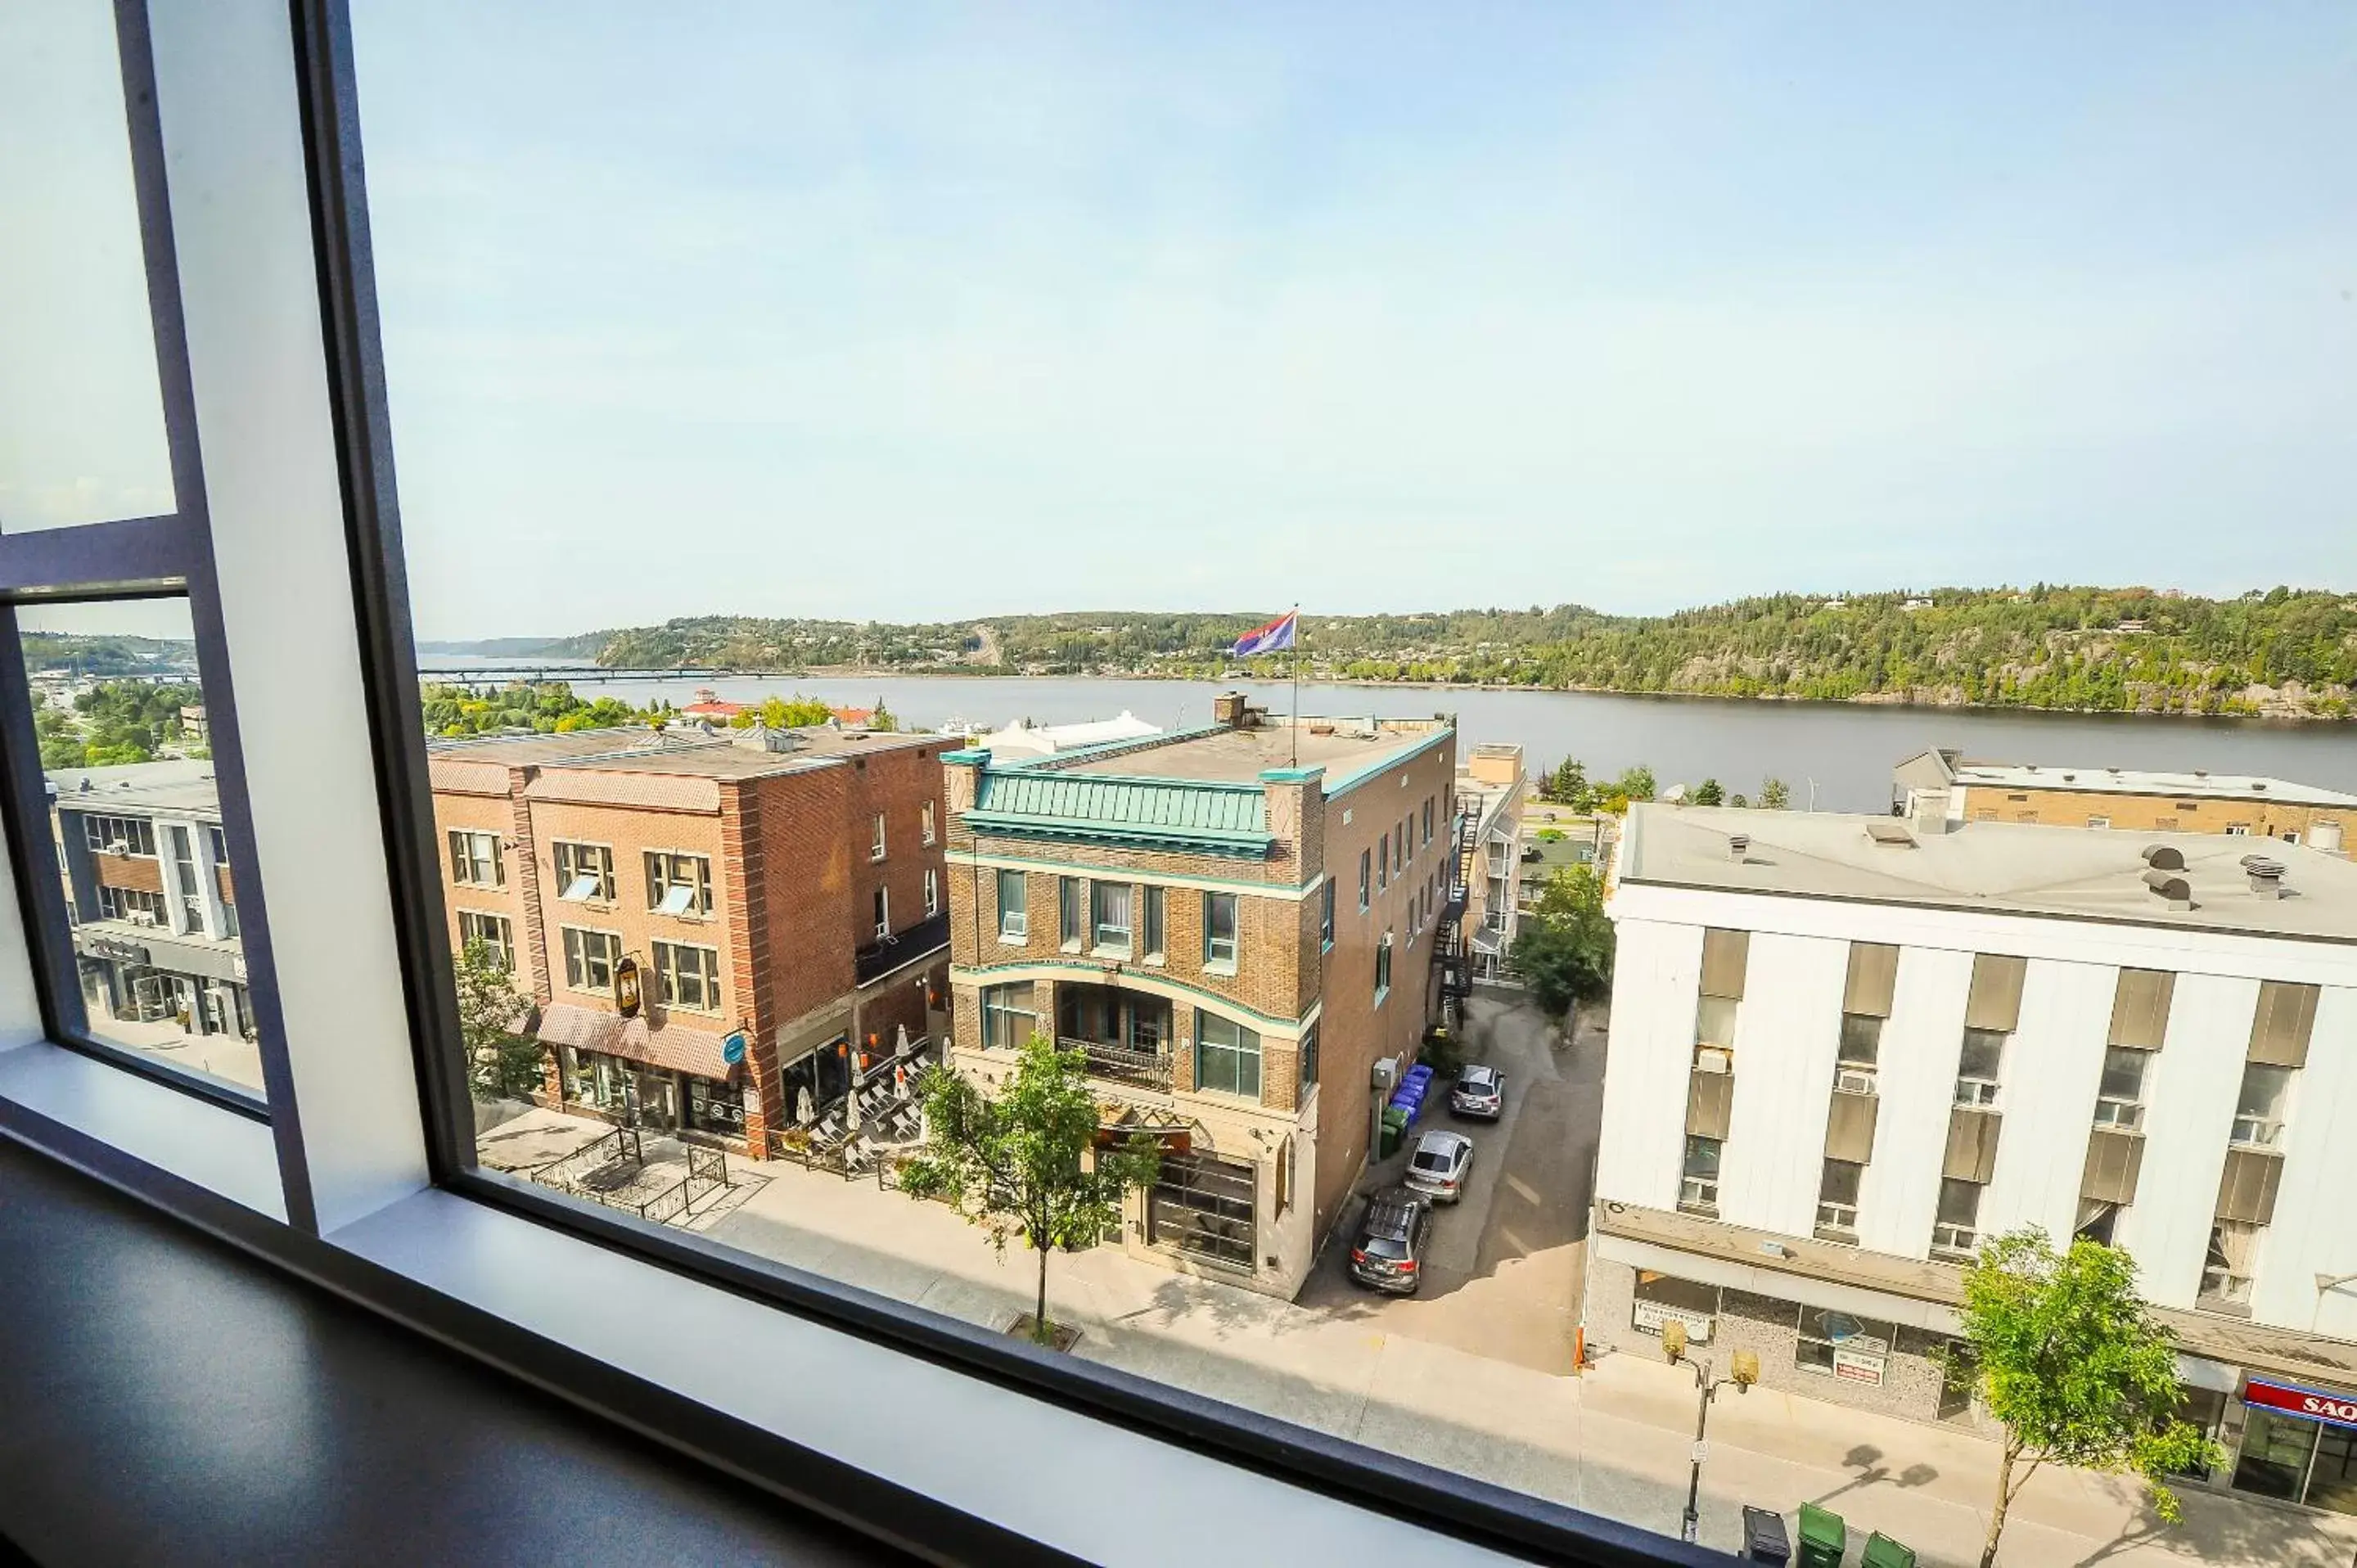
(1744, 1367)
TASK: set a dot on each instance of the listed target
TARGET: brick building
(2128, 799)
(1236, 924)
(783, 885)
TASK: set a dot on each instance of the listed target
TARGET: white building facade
(1843, 1054)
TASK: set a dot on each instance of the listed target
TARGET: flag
(1274, 638)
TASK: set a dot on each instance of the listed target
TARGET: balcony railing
(1123, 1064)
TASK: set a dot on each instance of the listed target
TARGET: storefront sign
(732, 1050)
(117, 948)
(1855, 1367)
(1650, 1316)
(2335, 1410)
(626, 987)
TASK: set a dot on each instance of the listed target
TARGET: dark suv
(1389, 1254)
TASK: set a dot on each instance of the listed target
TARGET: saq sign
(2308, 1402)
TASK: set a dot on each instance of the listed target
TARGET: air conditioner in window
(1854, 1081)
(118, 846)
(1714, 1058)
(142, 918)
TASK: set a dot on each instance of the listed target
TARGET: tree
(1017, 1163)
(1564, 951)
(499, 1064)
(1635, 783)
(1568, 785)
(1707, 793)
(1738, 800)
(2075, 1367)
(882, 718)
(1775, 795)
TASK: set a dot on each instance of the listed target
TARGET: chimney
(2266, 876)
(1927, 813)
(1228, 708)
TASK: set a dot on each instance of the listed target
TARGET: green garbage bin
(1824, 1538)
(1881, 1551)
(1394, 1130)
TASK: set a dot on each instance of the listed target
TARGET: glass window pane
(135, 812)
(81, 417)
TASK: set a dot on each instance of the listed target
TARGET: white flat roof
(2136, 781)
(2089, 873)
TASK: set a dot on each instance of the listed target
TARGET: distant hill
(110, 654)
(584, 646)
(2285, 652)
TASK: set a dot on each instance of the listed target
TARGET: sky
(928, 311)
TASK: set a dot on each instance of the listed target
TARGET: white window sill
(978, 1448)
(1225, 971)
(1016, 940)
(1119, 953)
(204, 1144)
(1070, 948)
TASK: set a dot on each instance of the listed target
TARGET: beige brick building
(1236, 924)
(2129, 800)
(1490, 789)
(786, 886)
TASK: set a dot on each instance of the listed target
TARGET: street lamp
(1744, 1368)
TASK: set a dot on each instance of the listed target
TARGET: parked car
(1480, 1091)
(1389, 1253)
(1441, 1163)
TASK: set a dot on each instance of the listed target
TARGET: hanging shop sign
(732, 1050)
(2334, 1409)
(626, 987)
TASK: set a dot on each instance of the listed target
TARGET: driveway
(1504, 1274)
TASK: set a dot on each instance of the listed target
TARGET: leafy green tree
(1564, 948)
(499, 1063)
(1707, 793)
(1568, 785)
(1018, 1161)
(1635, 783)
(1775, 795)
(2075, 1367)
(882, 718)
(1738, 800)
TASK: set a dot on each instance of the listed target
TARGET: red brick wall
(809, 886)
(896, 781)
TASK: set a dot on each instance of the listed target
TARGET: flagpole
(1297, 684)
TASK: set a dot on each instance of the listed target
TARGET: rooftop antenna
(1812, 794)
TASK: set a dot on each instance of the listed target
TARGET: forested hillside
(2288, 652)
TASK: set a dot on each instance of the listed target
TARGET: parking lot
(1501, 1275)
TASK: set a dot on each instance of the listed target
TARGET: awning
(673, 1046)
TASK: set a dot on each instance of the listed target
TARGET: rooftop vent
(2266, 876)
(2164, 857)
(2201, 773)
(2070, 779)
(1738, 845)
(1890, 835)
(2176, 890)
(2260, 784)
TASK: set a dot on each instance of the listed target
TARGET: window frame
(561, 858)
(1213, 962)
(667, 975)
(505, 944)
(433, 1209)
(1014, 919)
(564, 951)
(1236, 1051)
(658, 868)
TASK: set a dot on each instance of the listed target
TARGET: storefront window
(713, 1107)
(2275, 1453)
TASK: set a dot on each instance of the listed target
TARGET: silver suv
(1439, 1167)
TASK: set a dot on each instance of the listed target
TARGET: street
(1503, 1278)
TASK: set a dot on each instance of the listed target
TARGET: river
(1844, 749)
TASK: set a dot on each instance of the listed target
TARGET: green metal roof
(1182, 814)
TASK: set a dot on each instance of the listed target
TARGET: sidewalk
(1615, 1442)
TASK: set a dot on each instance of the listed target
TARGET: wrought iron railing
(1123, 1064)
(621, 1144)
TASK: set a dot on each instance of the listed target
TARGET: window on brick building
(122, 835)
(1308, 1064)
(1014, 907)
(1383, 969)
(589, 958)
(1070, 901)
(1326, 916)
(1364, 861)
(1109, 917)
(883, 913)
(1149, 925)
(1383, 862)
(679, 883)
(925, 822)
(1227, 1055)
(1220, 932)
(875, 846)
(493, 932)
(688, 976)
(932, 893)
(584, 872)
(1009, 1017)
(474, 858)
